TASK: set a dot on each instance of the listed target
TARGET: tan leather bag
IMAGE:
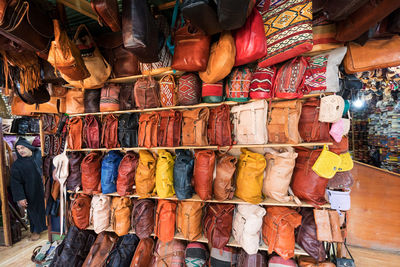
(100, 212)
(221, 60)
(55, 105)
(74, 101)
(145, 177)
(188, 219)
(194, 127)
(148, 125)
(223, 182)
(328, 225)
(121, 215)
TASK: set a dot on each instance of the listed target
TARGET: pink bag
(337, 130)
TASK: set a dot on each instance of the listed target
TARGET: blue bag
(183, 173)
(109, 171)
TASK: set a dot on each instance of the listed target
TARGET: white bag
(331, 108)
(340, 200)
(100, 212)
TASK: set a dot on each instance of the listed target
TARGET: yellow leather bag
(347, 162)
(250, 174)
(145, 177)
(327, 164)
(165, 174)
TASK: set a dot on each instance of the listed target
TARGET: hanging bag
(331, 108)
(327, 164)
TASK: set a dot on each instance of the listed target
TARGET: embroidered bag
(168, 91)
(238, 84)
(189, 89)
(262, 83)
(212, 92)
(289, 80)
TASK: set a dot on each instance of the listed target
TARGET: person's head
(24, 151)
(24, 148)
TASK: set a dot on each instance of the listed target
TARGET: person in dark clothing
(27, 186)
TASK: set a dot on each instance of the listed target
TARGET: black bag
(91, 100)
(202, 14)
(183, 173)
(394, 21)
(232, 14)
(74, 177)
(128, 125)
(122, 254)
(38, 95)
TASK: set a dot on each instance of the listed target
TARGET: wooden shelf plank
(81, 6)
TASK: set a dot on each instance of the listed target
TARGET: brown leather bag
(307, 261)
(109, 132)
(91, 131)
(204, 164)
(143, 253)
(310, 128)
(219, 130)
(143, 217)
(148, 125)
(223, 183)
(278, 230)
(165, 220)
(91, 173)
(283, 122)
(108, 12)
(145, 177)
(194, 127)
(91, 100)
(188, 219)
(75, 126)
(253, 260)
(147, 93)
(217, 225)
(169, 130)
(341, 147)
(121, 215)
(169, 254)
(126, 173)
(126, 100)
(109, 100)
(74, 101)
(80, 211)
(100, 249)
(328, 225)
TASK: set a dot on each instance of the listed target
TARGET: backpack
(310, 128)
(237, 85)
(121, 255)
(100, 213)
(212, 92)
(204, 165)
(262, 83)
(225, 257)
(196, 254)
(91, 173)
(165, 220)
(109, 132)
(143, 217)
(121, 215)
(126, 173)
(165, 174)
(289, 79)
(91, 132)
(109, 100)
(183, 173)
(219, 130)
(109, 171)
(143, 253)
(169, 130)
(168, 91)
(128, 125)
(80, 210)
(171, 254)
(257, 259)
(194, 127)
(75, 127)
(188, 219)
(148, 126)
(217, 225)
(223, 185)
(145, 177)
(146, 92)
(102, 246)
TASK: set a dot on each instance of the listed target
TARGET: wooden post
(3, 193)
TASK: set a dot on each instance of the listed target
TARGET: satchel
(232, 15)
(128, 125)
(143, 217)
(126, 99)
(146, 92)
(145, 177)
(168, 91)
(249, 122)
(223, 183)
(217, 224)
(102, 246)
(328, 225)
(219, 130)
(289, 80)
(189, 89)
(188, 219)
(122, 254)
(91, 100)
(109, 132)
(75, 133)
(74, 177)
(91, 132)
(310, 128)
(202, 14)
(143, 253)
(109, 100)
(340, 200)
(250, 174)
(327, 163)
(331, 108)
(148, 125)
(169, 253)
(164, 174)
(278, 230)
(109, 171)
(212, 93)
(194, 127)
(183, 172)
(258, 259)
(74, 101)
(91, 175)
(262, 83)
(108, 13)
(80, 210)
(100, 213)
(203, 173)
(126, 173)
(237, 85)
(165, 220)
(221, 60)
(169, 130)
(121, 208)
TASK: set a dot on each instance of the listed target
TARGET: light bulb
(358, 103)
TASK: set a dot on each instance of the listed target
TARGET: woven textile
(262, 82)
(189, 90)
(288, 28)
(212, 92)
(315, 77)
(167, 91)
(238, 84)
(290, 79)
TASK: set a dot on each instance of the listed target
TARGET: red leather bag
(126, 173)
(109, 132)
(165, 220)
(217, 225)
(203, 173)
(91, 173)
(219, 126)
(148, 125)
(250, 40)
(108, 12)
(169, 129)
(91, 132)
(80, 211)
(75, 133)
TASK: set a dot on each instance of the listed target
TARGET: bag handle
(79, 30)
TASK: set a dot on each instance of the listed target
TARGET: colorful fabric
(262, 82)
(212, 92)
(167, 91)
(195, 255)
(238, 84)
(288, 29)
(225, 257)
(290, 79)
(189, 89)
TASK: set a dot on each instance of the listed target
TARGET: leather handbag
(169, 130)
(278, 173)
(373, 55)
(108, 13)
(165, 174)
(341, 180)
(183, 172)
(80, 210)
(74, 101)
(202, 14)
(250, 40)
(74, 177)
(143, 253)
(128, 124)
(75, 126)
(310, 128)
(146, 92)
(217, 224)
(100, 249)
(145, 177)
(212, 93)
(232, 15)
(328, 225)
(341, 9)
(189, 89)
(121, 208)
(109, 132)
(168, 91)
(126, 98)
(122, 254)
(188, 219)
(289, 80)
(100, 213)
(204, 164)
(219, 130)
(249, 122)
(138, 30)
(237, 85)
(143, 217)
(169, 253)
(262, 83)
(109, 100)
(327, 163)
(249, 178)
(307, 261)
(223, 185)
(109, 171)
(91, 132)
(126, 173)
(221, 59)
(246, 226)
(278, 230)
(165, 220)
(306, 184)
(194, 127)
(54, 106)
(91, 173)
(192, 49)
(91, 100)
(148, 126)
(258, 259)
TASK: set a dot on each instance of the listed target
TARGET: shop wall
(374, 220)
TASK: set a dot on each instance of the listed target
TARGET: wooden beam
(81, 6)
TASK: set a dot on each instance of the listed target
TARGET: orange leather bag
(223, 183)
(307, 261)
(148, 125)
(165, 220)
(203, 171)
(121, 208)
(189, 218)
(20, 108)
(75, 127)
(145, 177)
(80, 211)
(74, 101)
(194, 127)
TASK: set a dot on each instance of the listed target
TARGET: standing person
(27, 185)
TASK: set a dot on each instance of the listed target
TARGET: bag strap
(79, 30)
